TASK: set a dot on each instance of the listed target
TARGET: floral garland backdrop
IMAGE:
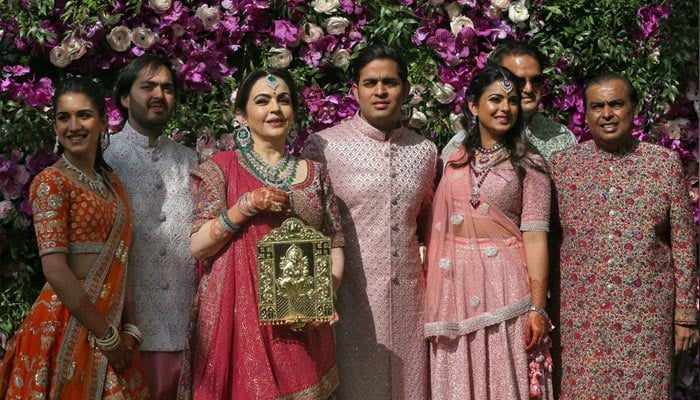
(213, 44)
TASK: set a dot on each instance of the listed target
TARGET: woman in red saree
(78, 341)
(241, 196)
(487, 256)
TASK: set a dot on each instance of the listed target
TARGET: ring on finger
(276, 207)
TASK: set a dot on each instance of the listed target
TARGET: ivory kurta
(628, 263)
(384, 188)
(162, 271)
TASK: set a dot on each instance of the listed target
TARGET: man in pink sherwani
(383, 175)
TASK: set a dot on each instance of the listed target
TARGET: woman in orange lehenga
(70, 345)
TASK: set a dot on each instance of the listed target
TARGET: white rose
(326, 6)
(119, 38)
(143, 37)
(518, 12)
(311, 33)
(76, 47)
(336, 25)
(418, 119)
(502, 4)
(453, 9)
(209, 16)
(59, 56)
(460, 22)
(160, 6)
(444, 93)
(280, 58)
(341, 58)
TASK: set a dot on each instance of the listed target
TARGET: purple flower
(16, 70)
(37, 163)
(284, 33)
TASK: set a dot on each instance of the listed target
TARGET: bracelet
(540, 311)
(249, 206)
(110, 341)
(227, 224)
(133, 331)
(240, 209)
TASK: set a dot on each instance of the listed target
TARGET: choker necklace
(479, 171)
(486, 158)
(279, 175)
(96, 184)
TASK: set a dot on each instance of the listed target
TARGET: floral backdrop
(214, 43)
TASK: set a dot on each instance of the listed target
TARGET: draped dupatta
(83, 369)
(460, 235)
(60, 360)
(230, 355)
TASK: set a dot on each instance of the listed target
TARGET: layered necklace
(480, 166)
(279, 175)
(96, 184)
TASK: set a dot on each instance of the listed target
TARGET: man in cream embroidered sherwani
(155, 171)
(383, 175)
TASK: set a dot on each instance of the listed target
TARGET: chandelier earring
(105, 139)
(56, 147)
(292, 136)
(243, 138)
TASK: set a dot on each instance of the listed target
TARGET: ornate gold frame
(294, 275)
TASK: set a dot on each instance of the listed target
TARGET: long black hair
(95, 93)
(513, 139)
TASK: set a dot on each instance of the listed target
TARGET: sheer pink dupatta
(476, 273)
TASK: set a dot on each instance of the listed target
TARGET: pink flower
(16, 70)
(285, 32)
(119, 38)
(59, 56)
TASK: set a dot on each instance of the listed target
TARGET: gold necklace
(96, 184)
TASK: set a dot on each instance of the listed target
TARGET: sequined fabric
(478, 290)
(627, 269)
(55, 197)
(384, 187)
(232, 356)
(163, 271)
(52, 356)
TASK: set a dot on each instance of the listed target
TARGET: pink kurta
(384, 187)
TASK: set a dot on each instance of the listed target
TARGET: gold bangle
(110, 341)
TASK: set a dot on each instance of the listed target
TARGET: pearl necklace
(279, 175)
(96, 184)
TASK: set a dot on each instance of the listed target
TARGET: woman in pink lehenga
(487, 256)
(241, 196)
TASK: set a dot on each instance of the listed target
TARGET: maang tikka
(507, 85)
(272, 82)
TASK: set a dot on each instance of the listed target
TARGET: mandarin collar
(618, 154)
(359, 124)
(135, 137)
